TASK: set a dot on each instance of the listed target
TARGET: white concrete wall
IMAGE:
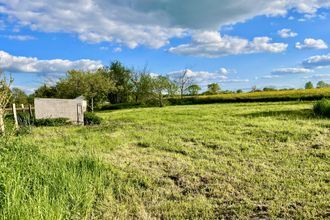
(60, 108)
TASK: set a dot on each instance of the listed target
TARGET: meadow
(258, 96)
(239, 160)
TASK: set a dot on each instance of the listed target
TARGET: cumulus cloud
(294, 70)
(318, 61)
(212, 44)
(20, 37)
(286, 33)
(312, 43)
(318, 76)
(144, 22)
(117, 50)
(204, 78)
(23, 64)
(224, 71)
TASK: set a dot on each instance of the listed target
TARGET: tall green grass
(322, 108)
(34, 186)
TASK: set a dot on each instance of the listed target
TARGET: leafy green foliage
(52, 122)
(91, 118)
(194, 89)
(46, 91)
(160, 86)
(309, 85)
(123, 82)
(322, 108)
(19, 96)
(322, 84)
(94, 86)
(213, 88)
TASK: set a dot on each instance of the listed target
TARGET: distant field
(243, 160)
(267, 96)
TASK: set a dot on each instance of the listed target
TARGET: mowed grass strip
(256, 160)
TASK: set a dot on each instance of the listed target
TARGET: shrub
(25, 121)
(91, 118)
(322, 108)
(52, 122)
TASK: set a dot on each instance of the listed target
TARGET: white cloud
(312, 43)
(22, 64)
(269, 77)
(318, 76)
(286, 33)
(294, 70)
(199, 77)
(104, 48)
(20, 37)
(318, 61)
(117, 50)
(224, 71)
(203, 78)
(212, 44)
(144, 22)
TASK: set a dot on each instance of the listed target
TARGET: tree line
(117, 84)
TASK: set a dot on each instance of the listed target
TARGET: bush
(91, 118)
(322, 108)
(25, 121)
(52, 122)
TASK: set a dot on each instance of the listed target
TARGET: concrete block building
(72, 109)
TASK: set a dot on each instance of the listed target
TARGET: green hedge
(91, 118)
(322, 108)
(52, 122)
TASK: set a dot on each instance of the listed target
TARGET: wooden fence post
(2, 123)
(30, 111)
(15, 116)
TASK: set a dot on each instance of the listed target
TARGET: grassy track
(254, 160)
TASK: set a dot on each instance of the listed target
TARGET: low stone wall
(72, 109)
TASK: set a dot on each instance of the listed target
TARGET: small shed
(72, 109)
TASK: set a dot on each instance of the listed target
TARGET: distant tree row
(118, 84)
(320, 84)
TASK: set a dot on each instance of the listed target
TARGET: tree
(183, 81)
(142, 86)
(122, 78)
(5, 96)
(19, 96)
(160, 86)
(46, 91)
(239, 91)
(94, 86)
(267, 89)
(193, 89)
(213, 88)
(322, 84)
(309, 85)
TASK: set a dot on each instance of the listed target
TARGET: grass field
(256, 160)
(263, 96)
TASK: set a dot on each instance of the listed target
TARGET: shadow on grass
(300, 114)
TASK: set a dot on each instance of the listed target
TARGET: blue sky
(238, 44)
